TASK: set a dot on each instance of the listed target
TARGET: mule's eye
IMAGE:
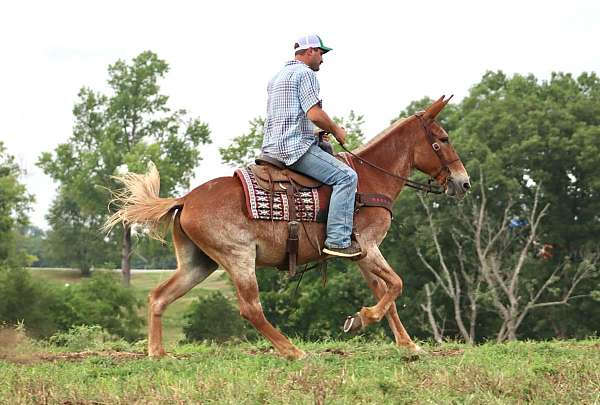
(445, 140)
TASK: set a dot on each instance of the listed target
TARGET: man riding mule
(289, 136)
(211, 229)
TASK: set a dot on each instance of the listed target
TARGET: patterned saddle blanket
(271, 201)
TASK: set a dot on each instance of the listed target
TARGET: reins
(428, 188)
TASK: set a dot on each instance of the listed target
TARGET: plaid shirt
(288, 131)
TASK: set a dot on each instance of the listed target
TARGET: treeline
(518, 258)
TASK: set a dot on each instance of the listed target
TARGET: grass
(356, 371)
(142, 283)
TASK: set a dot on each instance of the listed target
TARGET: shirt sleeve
(308, 90)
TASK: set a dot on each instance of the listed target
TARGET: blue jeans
(320, 165)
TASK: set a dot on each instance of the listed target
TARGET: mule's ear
(434, 109)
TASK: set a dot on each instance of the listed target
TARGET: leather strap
(292, 241)
(374, 200)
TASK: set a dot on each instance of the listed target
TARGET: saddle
(267, 173)
(273, 176)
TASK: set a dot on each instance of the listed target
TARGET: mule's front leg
(375, 264)
(379, 289)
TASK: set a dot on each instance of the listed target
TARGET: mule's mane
(383, 134)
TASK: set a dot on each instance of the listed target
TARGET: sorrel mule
(210, 228)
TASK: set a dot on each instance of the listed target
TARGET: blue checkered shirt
(288, 132)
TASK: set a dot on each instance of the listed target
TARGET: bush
(28, 301)
(84, 337)
(215, 318)
(45, 309)
(103, 301)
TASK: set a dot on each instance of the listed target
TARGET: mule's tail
(139, 203)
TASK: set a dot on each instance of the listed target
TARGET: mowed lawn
(142, 283)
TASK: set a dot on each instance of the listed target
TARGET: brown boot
(351, 251)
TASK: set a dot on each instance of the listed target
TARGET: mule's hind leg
(379, 289)
(193, 266)
(241, 268)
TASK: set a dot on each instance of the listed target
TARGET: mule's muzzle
(458, 186)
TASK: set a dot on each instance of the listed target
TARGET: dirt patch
(28, 358)
(325, 352)
(337, 352)
(446, 352)
(80, 356)
(261, 351)
(343, 353)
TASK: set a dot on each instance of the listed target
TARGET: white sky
(222, 53)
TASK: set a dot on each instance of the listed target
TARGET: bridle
(444, 164)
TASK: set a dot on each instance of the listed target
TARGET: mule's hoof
(296, 355)
(417, 350)
(353, 323)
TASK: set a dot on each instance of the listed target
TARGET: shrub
(103, 301)
(45, 309)
(84, 337)
(28, 301)
(215, 318)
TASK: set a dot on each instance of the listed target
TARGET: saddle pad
(264, 204)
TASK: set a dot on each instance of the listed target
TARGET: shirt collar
(294, 62)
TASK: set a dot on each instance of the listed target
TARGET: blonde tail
(139, 203)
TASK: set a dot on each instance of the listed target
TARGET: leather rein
(428, 188)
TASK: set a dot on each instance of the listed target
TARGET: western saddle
(272, 175)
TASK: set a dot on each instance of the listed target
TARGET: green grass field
(142, 284)
(351, 372)
(355, 371)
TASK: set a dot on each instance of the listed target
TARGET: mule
(210, 228)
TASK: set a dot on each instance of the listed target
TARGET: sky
(222, 54)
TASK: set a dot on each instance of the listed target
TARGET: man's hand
(340, 135)
(322, 120)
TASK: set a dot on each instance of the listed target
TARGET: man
(293, 110)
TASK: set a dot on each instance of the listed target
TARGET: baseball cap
(311, 41)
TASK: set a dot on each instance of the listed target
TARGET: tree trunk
(85, 270)
(125, 255)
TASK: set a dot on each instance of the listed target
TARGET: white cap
(310, 41)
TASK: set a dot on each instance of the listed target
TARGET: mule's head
(435, 156)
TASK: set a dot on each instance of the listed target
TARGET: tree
(522, 132)
(14, 204)
(245, 148)
(498, 252)
(74, 239)
(123, 131)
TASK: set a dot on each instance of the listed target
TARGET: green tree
(522, 131)
(245, 148)
(14, 204)
(32, 240)
(519, 131)
(74, 239)
(124, 131)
